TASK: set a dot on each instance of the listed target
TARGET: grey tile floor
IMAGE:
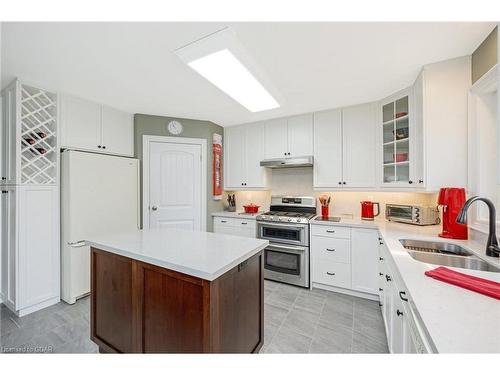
(296, 321)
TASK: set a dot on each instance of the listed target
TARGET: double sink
(445, 254)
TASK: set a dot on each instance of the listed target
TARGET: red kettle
(367, 211)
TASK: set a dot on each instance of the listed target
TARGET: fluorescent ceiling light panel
(226, 72)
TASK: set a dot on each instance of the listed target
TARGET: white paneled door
(176, 185)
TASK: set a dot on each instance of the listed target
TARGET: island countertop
(201, 254)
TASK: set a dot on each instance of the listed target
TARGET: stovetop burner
(289, 209)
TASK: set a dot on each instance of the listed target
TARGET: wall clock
(175, 127)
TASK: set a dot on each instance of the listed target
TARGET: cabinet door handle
(380, 258)
(330, 273)
(388, 278)
(340, 183)
(327, 249)
(380, 274)
(402, 295)
(410, 182)
(380, 289)
(103, 146)
(99, 146)
(399, 313)
(420, 181)
(380, 304)
(343, 183)
(330, 231)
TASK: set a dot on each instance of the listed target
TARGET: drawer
(245, 223)
(224, 221)
(331, 231)
(331, 273)
(234, 222)
(331, 249)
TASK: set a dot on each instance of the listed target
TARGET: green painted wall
(485, 56)
(156, 125)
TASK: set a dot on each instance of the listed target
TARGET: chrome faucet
(492, 248)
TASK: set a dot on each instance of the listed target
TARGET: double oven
(286, 259)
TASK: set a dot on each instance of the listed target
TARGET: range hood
(301, 161)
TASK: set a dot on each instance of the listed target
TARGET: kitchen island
(176, 291)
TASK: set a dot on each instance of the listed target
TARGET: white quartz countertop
(201, 254)
(236, 215)
(457, 320)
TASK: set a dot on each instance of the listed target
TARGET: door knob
(154, 208)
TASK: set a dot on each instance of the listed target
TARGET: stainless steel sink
(445, 254)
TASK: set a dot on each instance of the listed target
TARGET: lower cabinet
(346, 258)
(30, 247)
(401, 328)
(235, 226)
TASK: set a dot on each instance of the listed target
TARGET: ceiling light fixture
(215, 59)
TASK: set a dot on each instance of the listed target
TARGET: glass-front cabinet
(398, 152)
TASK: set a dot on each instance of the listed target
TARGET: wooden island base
(141, 308)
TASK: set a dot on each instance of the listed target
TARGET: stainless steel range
(286, 226)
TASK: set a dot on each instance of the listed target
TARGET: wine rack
(38, 115)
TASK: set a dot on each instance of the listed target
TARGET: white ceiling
(314, 66)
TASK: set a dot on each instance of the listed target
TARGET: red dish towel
(487, 287)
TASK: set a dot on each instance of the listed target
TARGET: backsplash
(299, 181)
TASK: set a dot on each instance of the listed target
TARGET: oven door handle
(286, 247)
(284, 225)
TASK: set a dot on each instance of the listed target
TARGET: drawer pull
(380, 258)
(398, 313)
(330, 231)
(388, 278)
(380, 289)
(330, 273)
(380, 274)
(402, 295)
(223, 221)
(327, 249)
(244, 223)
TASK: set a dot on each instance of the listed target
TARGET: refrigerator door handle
(79, 243)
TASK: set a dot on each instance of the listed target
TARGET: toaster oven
(410, 214)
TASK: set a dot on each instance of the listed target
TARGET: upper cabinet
(243, 151)
(289, 137)
(300, 135)
(328, 149)
(358, 127)
(276, 139)
(398, 137)
(442, 92)
(344, 148)
(90, 126)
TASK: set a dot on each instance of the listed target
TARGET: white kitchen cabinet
(117, 131)
(344, 148)
(243, 151)
(328, 149)
(81, 123)
(441, 101)
(9, 145)
(235, 226)
(365, 258)
(290, 137)
(403, 334)
(331, 256)
(300, 135)
(256, 176)
(276, 139)
(30, 247)
(420, 124)
(358, 126)
(91, 126)
(234, 157)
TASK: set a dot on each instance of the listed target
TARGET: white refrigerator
(99, 195)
